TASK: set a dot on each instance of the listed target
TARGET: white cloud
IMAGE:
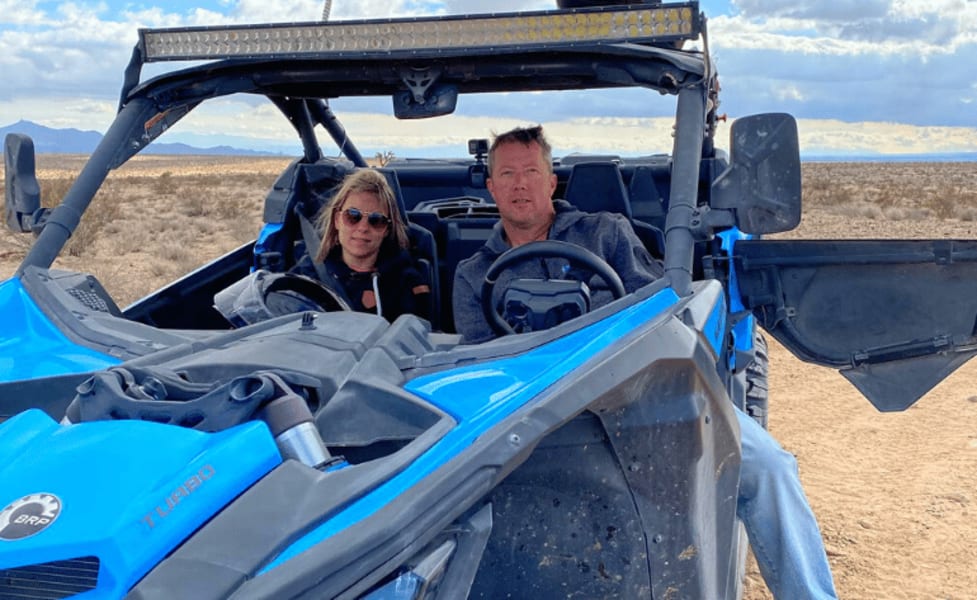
(374, 132)
(86, 114)
(18, 12)
(773, 46)
(260, 11)
(795, 38)
(602, 135)
(477, 6)
(789, 92)
(887, 138)
(844, 10)
(832, 64)
(850, 26)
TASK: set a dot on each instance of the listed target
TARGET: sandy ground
(894, 493)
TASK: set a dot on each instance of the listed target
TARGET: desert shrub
(54, 190)
(887, 197)
(173, 258)
(127, 241)
(892, 213)
(165, 225)
(99, 215)
(861, 210)
(184, 233)
(115, 229)
(14, 245)
(241, 231)
(943, 206)
(194, 205)
(159, 269)
(174, 252)
(967, 213)
(827, 194)
(902, 191)
(124, 289)
(165, 184)
(902, 213)
(205, 227)
(208, 181)
(198, 194)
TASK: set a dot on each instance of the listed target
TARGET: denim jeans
(782, 529)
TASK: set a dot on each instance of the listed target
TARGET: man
(781, 526)
(522, 182)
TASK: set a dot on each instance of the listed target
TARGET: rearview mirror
(762, 185)
(438, 99)
(23, 194)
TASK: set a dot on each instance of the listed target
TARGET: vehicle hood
(32, 346)
(107, 493)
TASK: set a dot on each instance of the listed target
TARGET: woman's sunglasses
(352, 216)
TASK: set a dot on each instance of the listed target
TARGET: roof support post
(686, 159)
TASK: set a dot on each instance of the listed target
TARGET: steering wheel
(542, 249)
(289, 293)
(263, 295)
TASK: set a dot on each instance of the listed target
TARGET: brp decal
(28, 516)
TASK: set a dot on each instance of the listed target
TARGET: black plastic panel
(897, 315)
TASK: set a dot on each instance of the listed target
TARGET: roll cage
(301, 87)
(713, 201)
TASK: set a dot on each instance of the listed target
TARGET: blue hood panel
(31, 346)
(126, 492)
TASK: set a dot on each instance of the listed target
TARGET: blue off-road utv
(239, 434)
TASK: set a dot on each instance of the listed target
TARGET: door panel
(894, 316)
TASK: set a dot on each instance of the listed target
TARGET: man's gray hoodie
(607, 235)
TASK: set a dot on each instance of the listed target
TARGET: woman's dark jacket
(404, 288)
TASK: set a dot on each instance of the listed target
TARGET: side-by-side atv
(239, 434)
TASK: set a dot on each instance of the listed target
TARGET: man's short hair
(524, 136)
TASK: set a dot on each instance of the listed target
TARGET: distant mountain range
(75, 141)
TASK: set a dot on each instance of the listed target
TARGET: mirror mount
(762, 186)
(706, 221)
(424, 96)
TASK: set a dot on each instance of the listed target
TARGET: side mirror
(762, 185)
(23, 194)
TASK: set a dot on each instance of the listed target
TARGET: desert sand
(894, 493)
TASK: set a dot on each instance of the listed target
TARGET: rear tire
(757, 387)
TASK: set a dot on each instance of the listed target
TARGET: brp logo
(28, 516)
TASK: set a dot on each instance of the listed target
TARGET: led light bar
(636, 23)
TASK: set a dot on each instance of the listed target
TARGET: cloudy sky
(861, 76)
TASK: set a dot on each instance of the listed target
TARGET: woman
(364, 249)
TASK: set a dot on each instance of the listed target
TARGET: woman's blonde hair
(367, 181)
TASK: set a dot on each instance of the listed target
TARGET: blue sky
(861, 76)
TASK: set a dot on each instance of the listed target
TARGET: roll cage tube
(297, 112)
(304, 114)
(114, 148)
(686, 160)
(322, 113)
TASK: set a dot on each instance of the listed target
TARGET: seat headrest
(597, 186)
